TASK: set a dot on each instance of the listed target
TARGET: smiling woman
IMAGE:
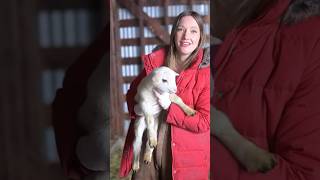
(183, 150)
(186, 39)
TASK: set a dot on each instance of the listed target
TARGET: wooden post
(141, 27)
(20, 111)
(116, 95)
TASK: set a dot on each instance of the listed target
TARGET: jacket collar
(157, 59)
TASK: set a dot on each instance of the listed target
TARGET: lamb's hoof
(260, 161)
(268, 164)
(191, 112)
(135, 167)
(267, 167)
(147, 158)
(153, 142)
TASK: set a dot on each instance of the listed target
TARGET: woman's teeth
(186, 43)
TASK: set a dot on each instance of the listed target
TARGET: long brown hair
(172, 55)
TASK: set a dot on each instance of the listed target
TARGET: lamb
(248, 154)
(160, 82)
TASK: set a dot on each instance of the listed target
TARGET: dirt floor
(115, 158)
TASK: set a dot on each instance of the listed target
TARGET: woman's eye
(164, 80)
(194, 31)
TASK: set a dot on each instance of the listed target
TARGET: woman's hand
(252, 157)
(163, 99)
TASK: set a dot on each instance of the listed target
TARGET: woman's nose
(186, 34)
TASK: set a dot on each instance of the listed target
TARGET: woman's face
(187, 36)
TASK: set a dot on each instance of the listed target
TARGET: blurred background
(39, 40)
(137, 27)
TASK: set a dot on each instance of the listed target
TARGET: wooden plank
(136, 60)
(154, 25)
(128, 79)
(137, 41)
(62, 4)
(170, 20)
(116, 98)
(175, 2)
(142, 40)
(166, 18)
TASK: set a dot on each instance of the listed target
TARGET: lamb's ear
(176, 74)
(157, 77)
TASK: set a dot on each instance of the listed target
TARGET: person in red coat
(79, 114)
(267, 91)
(183, 150)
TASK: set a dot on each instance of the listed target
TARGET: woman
(79, 115)
(183, 150)
(267, 90)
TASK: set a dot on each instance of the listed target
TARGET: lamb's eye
(164, 80)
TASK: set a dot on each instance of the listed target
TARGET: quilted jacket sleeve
(296, 142)
(132, 92)
(201, 121)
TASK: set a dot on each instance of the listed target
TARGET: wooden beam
(126, 61)
(116, 97)
(166, 18)
(128, 79)
(175, 2)
(155, 26)
(136, 41)
(170, 20)
(62, 4)
(141, 29)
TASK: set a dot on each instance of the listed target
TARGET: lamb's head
(164, 80)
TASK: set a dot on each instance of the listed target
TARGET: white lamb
(161, 82)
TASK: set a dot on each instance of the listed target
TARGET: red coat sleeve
(201, 121)
(67, 102)
(132, 92)
(296, 143)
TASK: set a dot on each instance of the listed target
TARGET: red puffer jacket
(190, 136)
(267, 81)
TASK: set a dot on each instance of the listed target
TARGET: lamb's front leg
(139, 128)
(252, 157)
(177, 100)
